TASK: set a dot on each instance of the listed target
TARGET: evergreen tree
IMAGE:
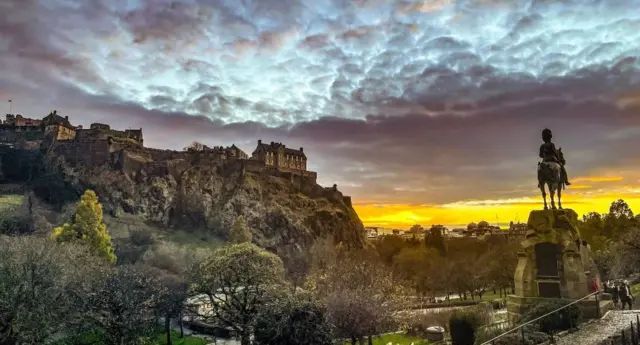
(240, 233)
(87, 227)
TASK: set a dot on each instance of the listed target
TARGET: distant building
(372, 232)
(58, 127)
(20, 121)
(279, 156)
(234, 152)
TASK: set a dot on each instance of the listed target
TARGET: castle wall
(83, 152)
(10, 134)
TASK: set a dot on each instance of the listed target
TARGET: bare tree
(39, 284)
(359, 292)
(121, 304)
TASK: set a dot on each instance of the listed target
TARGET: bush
(141, 238)
(562, 320)
(463, 328)
(293, 320)
(15, 218)
(464, 323)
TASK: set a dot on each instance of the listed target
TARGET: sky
(424, 111)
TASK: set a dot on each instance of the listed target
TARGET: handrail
(539, 318)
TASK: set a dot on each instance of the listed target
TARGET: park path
(594, 332)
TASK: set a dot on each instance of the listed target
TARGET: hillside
(188, 193)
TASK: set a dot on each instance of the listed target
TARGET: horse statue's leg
(544, 195)
(560, 186)
(552, 194)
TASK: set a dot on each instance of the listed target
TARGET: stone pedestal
(550, 264)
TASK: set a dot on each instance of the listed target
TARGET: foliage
(39, 283)
(296, 320)
(465, 323)
(195, 147)
(434, 239)
(561, 320)
(240, 233)
(297, 263)
(120, 305)
(15, 215)
(141, 238)
(45, 178)
(359, 292)
(462, 328)
(88, 227)
(237, 281)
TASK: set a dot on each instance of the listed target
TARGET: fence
(519, 331)
(629, 336)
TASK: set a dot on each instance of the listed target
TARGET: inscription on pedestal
(547, 260)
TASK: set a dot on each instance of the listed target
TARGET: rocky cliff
(280, 210)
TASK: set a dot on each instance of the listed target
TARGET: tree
(195, 147)
(39, 284)
(237, 281)
(389, 246)
(359, 292)
(297, 263)
(175, 266)
(294, 320)
(240, 233)
(620, 209)
(434, 239)
(121, 303)
(416, 229)
(87, 227)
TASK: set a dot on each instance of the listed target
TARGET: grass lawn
(395, 339)
(176, 340)
(10, 201)
(635, 290)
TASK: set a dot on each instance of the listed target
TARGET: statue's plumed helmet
(546, 134)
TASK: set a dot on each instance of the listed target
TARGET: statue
(551, 171)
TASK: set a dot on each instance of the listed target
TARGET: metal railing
(521, 327)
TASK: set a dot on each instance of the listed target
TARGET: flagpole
(10, 106)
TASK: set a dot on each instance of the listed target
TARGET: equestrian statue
(551, 171)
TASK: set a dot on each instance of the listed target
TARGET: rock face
(280, 209)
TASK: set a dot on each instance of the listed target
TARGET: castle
(99, 145)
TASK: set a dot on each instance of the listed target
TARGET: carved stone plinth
(552, 261)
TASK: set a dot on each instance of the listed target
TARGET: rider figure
(548, 153)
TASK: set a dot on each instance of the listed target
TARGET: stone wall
(83, 152)
(10, 134)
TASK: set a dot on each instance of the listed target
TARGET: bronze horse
(550, 174)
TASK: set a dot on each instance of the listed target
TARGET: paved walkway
(596, 331)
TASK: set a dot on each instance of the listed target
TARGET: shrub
(464, 323)
(463, 328)
(141, 238)
(561, 320)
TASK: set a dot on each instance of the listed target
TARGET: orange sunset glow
(585, 195)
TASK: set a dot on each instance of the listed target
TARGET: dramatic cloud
(434, 103)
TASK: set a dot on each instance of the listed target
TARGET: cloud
(397, 101)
